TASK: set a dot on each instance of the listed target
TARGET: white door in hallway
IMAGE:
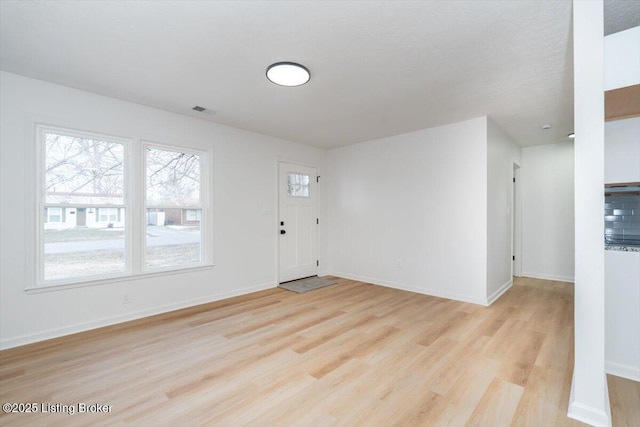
(298, 221)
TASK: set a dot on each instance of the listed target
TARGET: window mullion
(135, 197)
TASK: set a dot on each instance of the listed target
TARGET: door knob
(283, 231)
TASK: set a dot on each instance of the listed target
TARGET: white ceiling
(377, 68)
(620, 15)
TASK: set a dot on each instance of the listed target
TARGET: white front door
(298, 221)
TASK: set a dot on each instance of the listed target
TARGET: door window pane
(298, 185)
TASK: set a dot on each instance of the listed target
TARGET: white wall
(547, 183)
(244, 184)
(621, 64)
(589, 401)
(622, 150)
(410, 211)
(502, 153)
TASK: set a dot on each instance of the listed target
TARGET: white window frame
(134, 214)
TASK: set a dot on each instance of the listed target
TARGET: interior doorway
(516, 216)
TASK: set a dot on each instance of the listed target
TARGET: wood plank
(625, 401)
(622, 103)
(497, 406)
(517, 365)
(351, 354)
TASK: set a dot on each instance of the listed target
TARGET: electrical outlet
(126, 299)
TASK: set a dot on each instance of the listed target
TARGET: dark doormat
(306, 285)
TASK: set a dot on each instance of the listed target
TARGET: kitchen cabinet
(622, 151)
(622, 313)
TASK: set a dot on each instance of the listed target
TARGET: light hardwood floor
(350, 354)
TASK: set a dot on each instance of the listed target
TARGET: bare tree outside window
(82, 170)
(83, 237)
(173, 208)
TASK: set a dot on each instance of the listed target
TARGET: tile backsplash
(622, 219)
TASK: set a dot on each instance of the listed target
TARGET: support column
(589, 401)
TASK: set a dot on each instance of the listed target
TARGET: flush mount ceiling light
(288, 74)
(571, 135)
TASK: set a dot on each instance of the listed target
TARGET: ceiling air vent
(199, 108)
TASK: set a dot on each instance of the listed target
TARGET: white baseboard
(629, 372)
(323, 273)
(410, 288)
(108, 321)
(498, 293)
(549, 277)
(588, 414)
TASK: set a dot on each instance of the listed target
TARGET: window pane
(108, 215)
(173, 178)
(297, 185)
(194, 214)
(83, 170)
(172, 239)
(54, 215)
(81, 247)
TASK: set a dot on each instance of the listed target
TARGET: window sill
(114, 279)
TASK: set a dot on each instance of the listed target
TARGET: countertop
(622, 248)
